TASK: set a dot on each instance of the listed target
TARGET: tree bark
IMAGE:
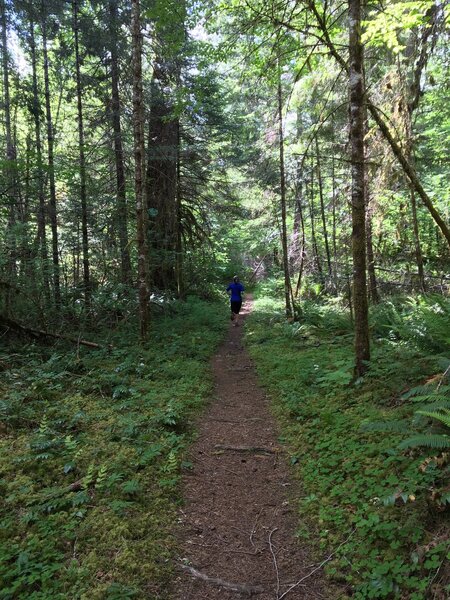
(179, 238)
(139, 152)
(322, 209)
(356, 126)
(417, 247)
(301, 247)
(161, 178)
(373, 288)
(11, 160)
(51, 165)
(122, 213)
(334, 229)
(409, 150)
(82, 163)
(313, 226)
(41, 216)
(287, 280)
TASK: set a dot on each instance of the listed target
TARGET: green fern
(440, 404)
(425, 393)
(101, 477)
(434, 405)
(427, 440)
(44, 425)
(442, 417)
(131, 487)
(171, 465)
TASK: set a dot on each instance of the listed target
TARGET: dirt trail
(237, 524)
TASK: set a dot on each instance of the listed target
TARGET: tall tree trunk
(356, 118)
(161, 177)
(334, 227)
(41, 220)
(417, 246)
(409, 152)
(299, 218)
(11, 160)
(302, 245)
(51, 164)
(82, 163)
(122, 214)
(139, 152)
(313, 226)
(179, 237)
(287, 280)
(373, 287)
(322, 209)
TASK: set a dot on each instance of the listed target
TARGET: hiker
(235, 290)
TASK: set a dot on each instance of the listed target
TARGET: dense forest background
(151, 150)
(212, 132)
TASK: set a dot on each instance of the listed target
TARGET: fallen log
(39, 334)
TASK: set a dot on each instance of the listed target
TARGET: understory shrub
(91, 447)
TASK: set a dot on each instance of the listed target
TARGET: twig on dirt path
(245, 588)
(274, 560)
(253, 531)
(324, 562)
(251, 449)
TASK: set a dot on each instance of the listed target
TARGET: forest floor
(237, 525)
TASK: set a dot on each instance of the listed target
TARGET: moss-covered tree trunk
(356, 128)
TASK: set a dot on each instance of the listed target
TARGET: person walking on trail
(235, 290)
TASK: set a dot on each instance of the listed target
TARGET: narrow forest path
(237, 524)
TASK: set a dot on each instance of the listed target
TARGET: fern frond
(443, 404)
(442, 417)
(419, 390)
(386, 426)
(435, 441)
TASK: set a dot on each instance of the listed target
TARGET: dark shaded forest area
(152, 150)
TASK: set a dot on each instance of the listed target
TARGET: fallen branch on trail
(39, 334)
(246, 588)
(274, 557)
(251, 449)
(322, 564)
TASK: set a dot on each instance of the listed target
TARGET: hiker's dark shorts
(236, 306)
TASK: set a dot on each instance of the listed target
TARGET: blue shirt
(236, 291)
